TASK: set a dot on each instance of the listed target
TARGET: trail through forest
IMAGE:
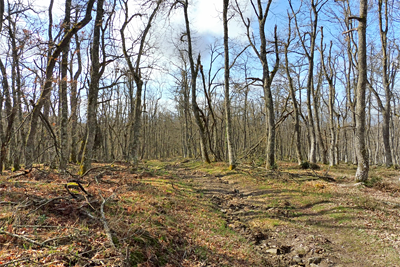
(186, 213)
(318, 233)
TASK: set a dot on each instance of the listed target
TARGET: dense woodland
(305, 81)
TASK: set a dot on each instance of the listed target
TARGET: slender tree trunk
(30, 141)
(93, 92)
(297, 130)
(385, 81)
(312, 34)
(228, 117)
(362, 152)
(329, 75)
(194, 69)
(135, 71)
(316, 98)
(74, 104)
(63, 94)
(261, 12)
(332, 158)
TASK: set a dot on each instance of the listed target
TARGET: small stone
(223, 211)
(273, 251)
(296, 259)
(315, 260)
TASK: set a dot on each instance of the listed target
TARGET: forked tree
(261, 11)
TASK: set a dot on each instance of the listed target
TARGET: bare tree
(297, 130)
(135, 72)
(329, 73)
(267, 76)
(30, 142)
(231, 152)
(97, 70)
(361, 149)
(316, 6)
(74, 98)
(194, 70)
(63, 94)
(384, 106)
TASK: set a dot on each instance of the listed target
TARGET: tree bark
(93, 91)
(73, 157)
(361, 150)
(63, 94)
(228, 117)
(297, 130)
(386, 110)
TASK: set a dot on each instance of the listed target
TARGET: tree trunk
(63, 94)
(386, 84)
(228, 117)
(297, 129)
(93, 92)
(135, 71)
(30, 141)
(74, 104)
(194, 69)
(362, 152)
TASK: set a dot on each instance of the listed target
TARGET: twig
(14, 261)
(83, 175)
(25, 238)
(26, 259)
(99, 176)
(39, 226)
(56, 238)
(8, 203)
(104, 221)
(19, 174)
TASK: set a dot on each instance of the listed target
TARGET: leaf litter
(185, 213)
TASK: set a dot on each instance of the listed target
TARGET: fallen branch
(15, 261)
(25, 238)
(26, 259)
(253, 147)
(8, 203)
(57, 238)
(104, 221)
(25, 172)
(86, 173)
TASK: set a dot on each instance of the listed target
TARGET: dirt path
(288, 232)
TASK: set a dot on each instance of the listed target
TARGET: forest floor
(186, 213)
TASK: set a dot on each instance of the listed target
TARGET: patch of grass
(265, 223)
(372, 181)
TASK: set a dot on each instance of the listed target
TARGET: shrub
(305, 165)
